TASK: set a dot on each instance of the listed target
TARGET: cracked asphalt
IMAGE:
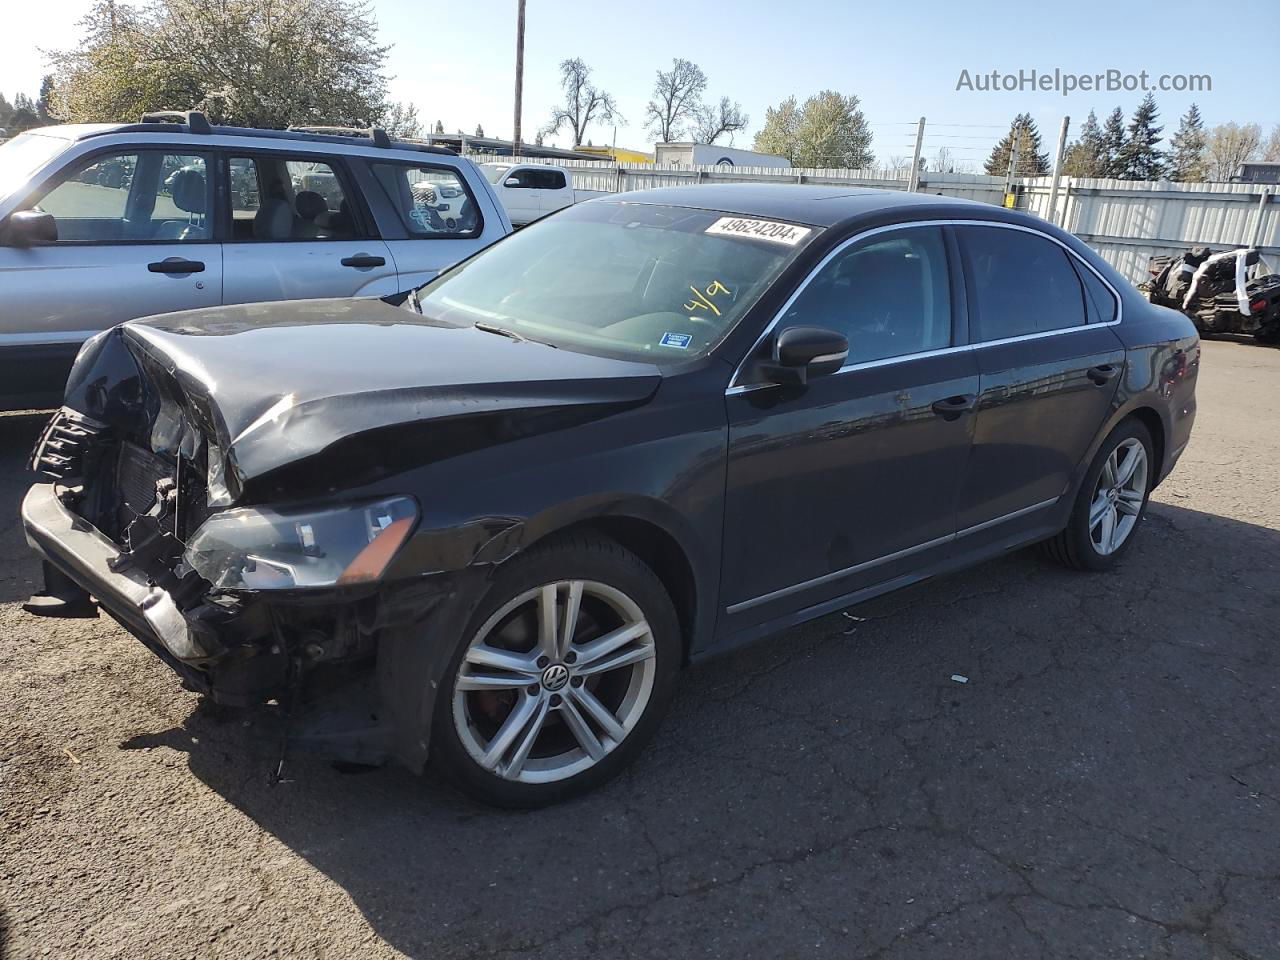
(1106, 784)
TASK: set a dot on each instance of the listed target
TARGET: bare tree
(583, 104)
(1271, 151)
(677, 98)
(713, 122)
(1230, 145)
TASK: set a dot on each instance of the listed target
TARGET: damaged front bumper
(72, 545)
(188, 644)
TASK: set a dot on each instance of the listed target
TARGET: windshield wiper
(504, 332)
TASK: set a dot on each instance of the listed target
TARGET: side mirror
(511, 182)
(803, 352)
(29, 228)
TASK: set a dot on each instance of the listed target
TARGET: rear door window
(1021, 284)
(430, 201)
(276, 198)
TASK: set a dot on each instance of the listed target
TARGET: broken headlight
(257, 548)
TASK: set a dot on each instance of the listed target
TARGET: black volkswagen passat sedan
(489, 521)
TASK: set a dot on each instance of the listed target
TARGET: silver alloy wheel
(1118, 497)
(555, 709)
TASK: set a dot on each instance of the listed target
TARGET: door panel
(307, 270)
(1047, 377)
(1038, 411)
(296, 235)
(851, 469)
(124, 218)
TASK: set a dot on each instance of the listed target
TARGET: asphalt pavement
(1105, 784)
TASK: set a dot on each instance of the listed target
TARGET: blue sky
(456, 60)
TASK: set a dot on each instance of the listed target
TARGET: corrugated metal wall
(1129, 221)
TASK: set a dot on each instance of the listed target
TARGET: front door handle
(953, 408)
(176, 265)
(1102, 374)
(363, 260)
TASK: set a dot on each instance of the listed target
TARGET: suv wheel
(566, 671)
(1111, 502)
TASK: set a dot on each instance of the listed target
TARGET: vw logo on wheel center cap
(555, 677)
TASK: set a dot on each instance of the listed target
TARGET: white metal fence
(1128, 221)
(1125, 221)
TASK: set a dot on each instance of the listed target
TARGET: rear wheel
(1111, 502)
(566, 671)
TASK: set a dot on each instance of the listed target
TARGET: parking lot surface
(1105, 784)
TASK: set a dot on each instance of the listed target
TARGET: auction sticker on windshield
(771, 230)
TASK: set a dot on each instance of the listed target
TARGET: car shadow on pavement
(1016, 760)
(19, 567)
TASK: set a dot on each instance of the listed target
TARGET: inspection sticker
(680, 341)
(771, 230)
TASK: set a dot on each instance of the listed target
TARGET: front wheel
(565, 672)
(1111, 502)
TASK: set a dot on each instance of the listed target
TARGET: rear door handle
(953, 408)
(176, 265)
(364, 260)
(1101, 374)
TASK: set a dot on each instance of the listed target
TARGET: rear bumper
(78, 549)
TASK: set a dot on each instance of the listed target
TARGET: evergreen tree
(1139, 159)
(479, 130)
(1033, 161)
(42, 102)
(1113, 140)
(1084, 157)
(439, 126)
(1187, 160)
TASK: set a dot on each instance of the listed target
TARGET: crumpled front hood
(284, 381)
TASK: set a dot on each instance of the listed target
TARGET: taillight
(1258, 306)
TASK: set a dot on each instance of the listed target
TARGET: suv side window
(1022, 283)
(277, 198)
(890, 295)
(431, 201)
(136, 196)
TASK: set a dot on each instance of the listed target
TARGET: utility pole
(913, 184)
(515, 136)
(1057, 171)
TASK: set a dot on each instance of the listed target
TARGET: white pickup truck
(532, 190)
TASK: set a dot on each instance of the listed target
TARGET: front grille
(69, 447)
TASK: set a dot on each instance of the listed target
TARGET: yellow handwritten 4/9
(702, 299)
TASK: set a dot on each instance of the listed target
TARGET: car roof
(817, 206)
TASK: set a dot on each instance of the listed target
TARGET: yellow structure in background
(620, 154)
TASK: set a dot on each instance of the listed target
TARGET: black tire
(1074, 547)
(573, 557)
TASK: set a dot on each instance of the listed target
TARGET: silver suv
(102, 223)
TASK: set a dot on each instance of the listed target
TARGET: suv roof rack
(194, 119)
(376, 134)
(196, 122)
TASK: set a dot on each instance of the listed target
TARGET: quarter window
(430, 201)
(140, 196)
(889, 295)
(1022, 284)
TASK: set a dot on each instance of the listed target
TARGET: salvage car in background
(102, 223)
(491, 522)
(1226, 292)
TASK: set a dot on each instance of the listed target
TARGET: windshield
(22, 156)
(494, 171)
(630, 280)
